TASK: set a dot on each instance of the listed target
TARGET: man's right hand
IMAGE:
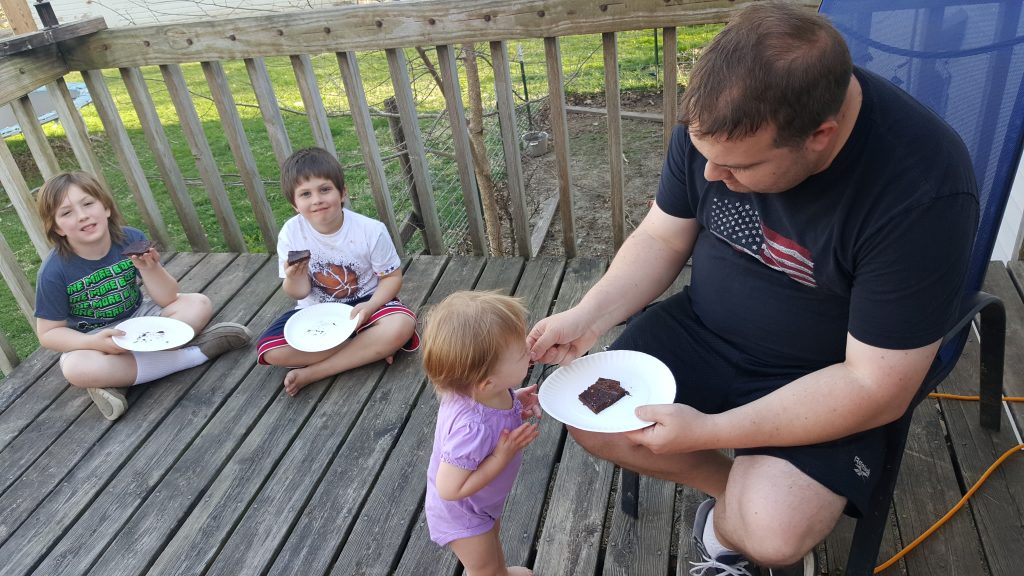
(561, 338)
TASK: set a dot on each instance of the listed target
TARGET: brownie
(296, 256)
(137, 248)
(602, 394)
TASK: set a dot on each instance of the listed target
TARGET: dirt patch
(590, 175)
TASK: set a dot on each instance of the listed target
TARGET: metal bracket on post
(46, 15)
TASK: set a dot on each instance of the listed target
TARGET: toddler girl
(474, 352)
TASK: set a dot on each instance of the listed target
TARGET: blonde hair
(465, 336)
(52, 195)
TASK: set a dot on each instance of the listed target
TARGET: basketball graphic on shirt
(337, 281)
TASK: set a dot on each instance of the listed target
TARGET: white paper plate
(152, 333)
(320, 327)
(646, 378)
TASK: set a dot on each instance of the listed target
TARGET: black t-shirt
(875, 245)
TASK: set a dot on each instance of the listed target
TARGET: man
(829, 218)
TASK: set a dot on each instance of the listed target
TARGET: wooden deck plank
(998, 506)
(215, 471)
(59, 510)
(24, 410)
(362, 411)
(80, 545)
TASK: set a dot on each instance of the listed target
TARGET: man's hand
(531, 403)
(677, 428)
(561, 338)
(104, 341)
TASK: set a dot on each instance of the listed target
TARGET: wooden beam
(263, 89)
(28, 120)
(19, 16)
(50, 36)
(313, 103)
(399, 69)
(615, 172)
(74, 128)
(560, 134)
(21, 197)
(163, 156)
(23, 73)
(14, 275)
(385, 25)
(363, 124)
(463, 153)
(510, 145)
(670, 92)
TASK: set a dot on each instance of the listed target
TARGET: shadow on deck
(216, 471)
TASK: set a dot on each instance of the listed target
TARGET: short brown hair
(465, 336)
(310, 163)
(52, 195)
(773, 65)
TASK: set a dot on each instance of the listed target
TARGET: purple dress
(466, 433)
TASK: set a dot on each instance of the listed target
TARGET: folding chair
(965, 60)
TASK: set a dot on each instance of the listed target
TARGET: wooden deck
(215, 471)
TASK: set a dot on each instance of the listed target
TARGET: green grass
(582, 66)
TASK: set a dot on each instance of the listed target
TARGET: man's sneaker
(110, 401)
(221, 338)
(734, 564)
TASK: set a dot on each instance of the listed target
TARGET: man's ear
(823, 135)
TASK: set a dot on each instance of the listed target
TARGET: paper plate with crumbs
(643, 380)
(153, 333)
(320, 327)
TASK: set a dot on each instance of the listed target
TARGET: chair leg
(993, 348)
(629, 489)
(867, 536)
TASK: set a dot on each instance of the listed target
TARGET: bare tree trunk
(481, 162)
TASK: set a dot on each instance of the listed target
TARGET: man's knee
(774, 548)
(597, 444)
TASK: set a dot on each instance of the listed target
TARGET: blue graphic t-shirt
(89, 294)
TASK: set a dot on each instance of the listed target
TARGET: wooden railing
(343, 31)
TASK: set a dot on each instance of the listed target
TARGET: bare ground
(589, 175)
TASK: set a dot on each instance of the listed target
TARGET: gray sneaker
(221, 338)
(110, 401)
(734, 564)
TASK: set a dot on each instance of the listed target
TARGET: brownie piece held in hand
(137, 248)
(296, 256)
(602, 394)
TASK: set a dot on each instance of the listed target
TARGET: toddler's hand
(531, 403)
(104, 341)
(512, 442)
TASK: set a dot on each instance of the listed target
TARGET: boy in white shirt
(351, 260)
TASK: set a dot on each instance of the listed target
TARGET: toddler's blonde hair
(465, 336)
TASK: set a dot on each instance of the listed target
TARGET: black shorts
(713, 377)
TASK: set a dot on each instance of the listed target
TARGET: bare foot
(519, 571)
(296, 380)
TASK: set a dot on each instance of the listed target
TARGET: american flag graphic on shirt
(738, 223)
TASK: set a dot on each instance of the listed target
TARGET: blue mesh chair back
(964, 60)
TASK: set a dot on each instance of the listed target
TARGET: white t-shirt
(343, 266)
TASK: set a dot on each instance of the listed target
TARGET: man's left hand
(677, 428)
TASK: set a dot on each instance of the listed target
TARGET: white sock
(711, 543)
(152, 365)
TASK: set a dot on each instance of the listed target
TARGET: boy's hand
(530, 401)
(104, 341)
(297, 270)
(364, 310)
(512, 442)
(147, 261)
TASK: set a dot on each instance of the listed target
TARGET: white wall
(1008, 241)
(138, 12)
